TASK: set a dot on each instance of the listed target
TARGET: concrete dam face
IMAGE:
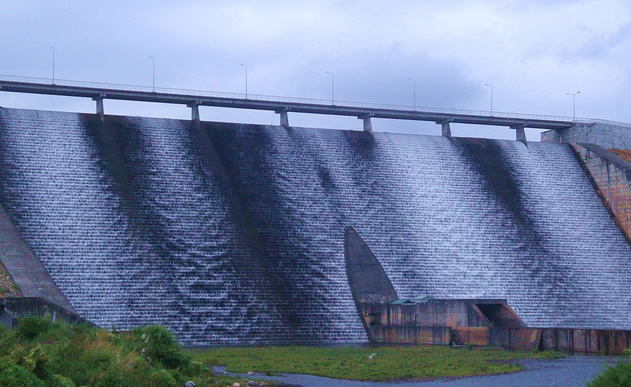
(234, 234)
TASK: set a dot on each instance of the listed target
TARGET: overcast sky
(532, 53)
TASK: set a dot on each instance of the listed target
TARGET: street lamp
(491, 86)
(53, 48)
(246, 79)
(573, 104)
(153, 73)
(414, 86)
(332, 87)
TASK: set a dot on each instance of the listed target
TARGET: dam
(234, 233)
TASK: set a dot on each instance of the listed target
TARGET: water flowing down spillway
(234, 234)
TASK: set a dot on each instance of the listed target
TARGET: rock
(252, 383)
(263, 384)
(236, 385)
(190, 384)
(250, 373)
(372, 355)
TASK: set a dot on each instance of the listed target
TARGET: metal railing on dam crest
(281, 105)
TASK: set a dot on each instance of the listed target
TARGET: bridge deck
(99, 93)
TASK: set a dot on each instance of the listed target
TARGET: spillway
(234, 233)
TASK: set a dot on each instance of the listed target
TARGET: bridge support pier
(194, 111)
(445, 128)
(284, 118)
(100, 111)
(520, 133)
(367, 122)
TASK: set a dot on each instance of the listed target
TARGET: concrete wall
(13, 308)
(234, 234)
(25, 269)
(612, 176)
(609, 135)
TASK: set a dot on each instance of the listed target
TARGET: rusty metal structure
(478, 322)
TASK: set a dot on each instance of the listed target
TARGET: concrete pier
(194, 111)
(520, 133)
(445, 128)
(284, 119)
(367, 122)
(100, 111)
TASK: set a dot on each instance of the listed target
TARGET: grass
(44, 353)
(388, 363)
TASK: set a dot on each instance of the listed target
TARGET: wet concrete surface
(570, 371)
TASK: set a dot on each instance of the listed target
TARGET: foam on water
(234, 234)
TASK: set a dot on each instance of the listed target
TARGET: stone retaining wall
(612, 177)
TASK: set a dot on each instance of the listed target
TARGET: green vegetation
(387, 363)
(7, 286)
(44, 353)
(618, 375)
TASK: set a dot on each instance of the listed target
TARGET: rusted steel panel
(549, 340)
(564, 340)
(412, 335)
(579, 340)
(433, 335)
(425, 335)
(591, 341)
(499, 337)
(471, 335)
(424, 315)
(603, 341)
(524, 338)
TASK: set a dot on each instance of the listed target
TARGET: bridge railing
(281, 99)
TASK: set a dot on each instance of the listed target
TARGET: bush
(618, 375)
(161, 377)
(13, 375)
(40, 352)
(160, 345)
(31, 327)
(34, 360)
(60, 381)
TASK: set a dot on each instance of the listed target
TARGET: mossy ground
(388, 363)
(7, 286)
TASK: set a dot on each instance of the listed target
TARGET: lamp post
(153, 73)
(332, 87)
(491, 86)
(414, 86)
(246, 79)
(53, 48)
(573, 104)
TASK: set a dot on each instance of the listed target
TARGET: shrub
(44, 353)
(60, 381)
(160, 345)
(31, 327)
(618, 375)
(13, 375)
(161, 377)
(34, 360)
